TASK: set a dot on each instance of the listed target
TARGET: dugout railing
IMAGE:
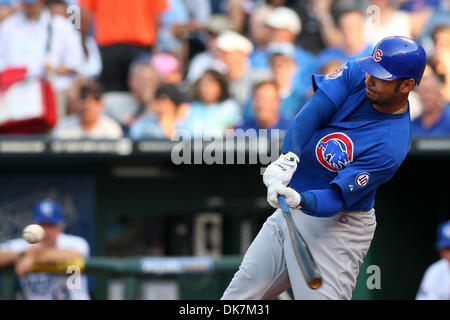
(133, 272)
(109, 180)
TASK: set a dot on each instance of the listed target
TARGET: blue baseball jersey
(359, 149)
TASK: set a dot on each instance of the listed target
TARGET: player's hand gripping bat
(302, 253)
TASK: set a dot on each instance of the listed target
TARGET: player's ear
(407, 85)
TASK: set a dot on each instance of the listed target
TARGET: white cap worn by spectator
(232, 41)
(284, 18)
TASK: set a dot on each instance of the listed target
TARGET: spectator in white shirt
(436, 281)
(92, 61)
(88, 122)
(46, 45)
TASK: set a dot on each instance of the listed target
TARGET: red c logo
(377, 55)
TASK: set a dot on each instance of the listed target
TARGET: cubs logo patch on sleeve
(335, 151)
(336, 73)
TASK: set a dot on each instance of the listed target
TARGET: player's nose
(370, 81)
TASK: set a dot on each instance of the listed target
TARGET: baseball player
(435, 284)
(56, 247)
(349, 138)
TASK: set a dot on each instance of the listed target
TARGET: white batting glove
(293, 198)
(282, 170)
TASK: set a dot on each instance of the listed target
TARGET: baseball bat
(301, 250)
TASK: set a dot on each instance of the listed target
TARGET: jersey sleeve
(75, 243)
(364, 176)
(82, 246)
(339, 84)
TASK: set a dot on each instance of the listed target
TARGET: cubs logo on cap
(335, 151)
(377, 55)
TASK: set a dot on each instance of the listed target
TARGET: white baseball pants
(338, 245)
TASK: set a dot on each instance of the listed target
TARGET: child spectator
(212, 111)
(162, 122)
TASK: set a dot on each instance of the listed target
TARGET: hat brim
(375, 69)
(48, 221)
(443, 244)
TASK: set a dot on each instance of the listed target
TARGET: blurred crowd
(147, 68)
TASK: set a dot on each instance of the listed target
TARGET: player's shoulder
(350, 73)
(438, 269)
(355, 69)
(70, 241)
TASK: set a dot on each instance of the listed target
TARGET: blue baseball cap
(396, 57)
(47, 211)
(443, 239)
(29, 1)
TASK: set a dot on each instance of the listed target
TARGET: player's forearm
(322, 203)
(8, 258)
(57, 255)
(317, 111)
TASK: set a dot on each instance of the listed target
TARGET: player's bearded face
(380, 92)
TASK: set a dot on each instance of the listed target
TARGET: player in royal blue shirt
(350, 138)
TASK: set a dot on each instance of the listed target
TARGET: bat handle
(284, 206)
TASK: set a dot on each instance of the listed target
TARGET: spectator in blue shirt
(435, 118)
(283, 66)
(162, 122)
(266, 105)
(354, 45)
(212, 110)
